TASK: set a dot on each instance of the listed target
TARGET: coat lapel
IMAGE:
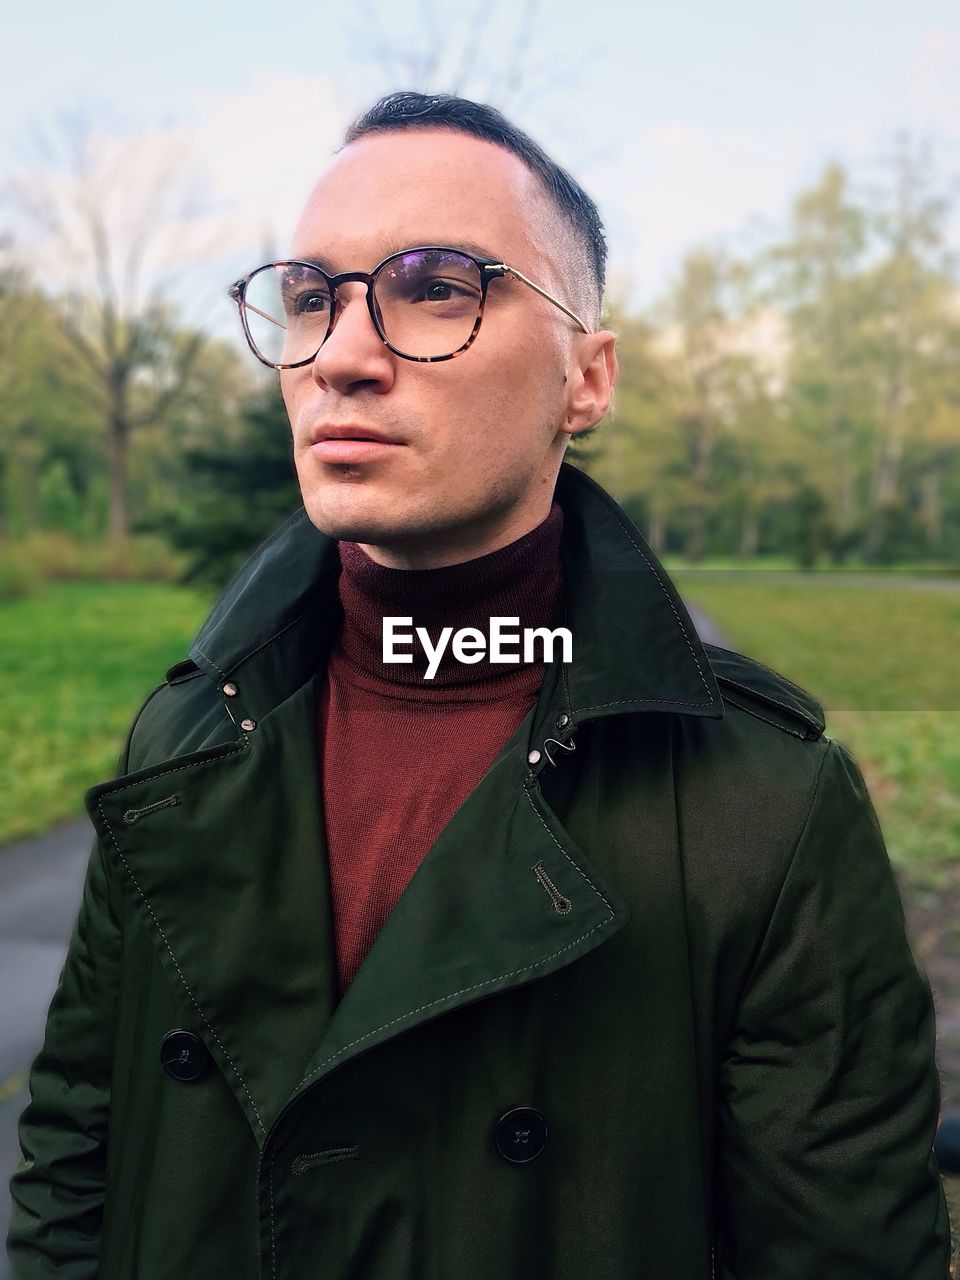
(502, 898)
(223, 855)
(222, 850)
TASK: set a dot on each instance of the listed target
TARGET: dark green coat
(680, 944)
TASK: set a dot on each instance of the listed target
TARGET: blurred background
(781, 191)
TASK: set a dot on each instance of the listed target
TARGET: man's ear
(590, 381)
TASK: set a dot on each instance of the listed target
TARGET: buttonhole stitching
(332, 1155)
(560, 902)
(134, 815)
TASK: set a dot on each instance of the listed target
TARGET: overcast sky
(686, 122)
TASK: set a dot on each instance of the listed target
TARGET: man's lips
(347, 449)
(349, 443)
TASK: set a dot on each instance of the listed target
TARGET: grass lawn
(883, 660)
(78, 660)
(76, 663)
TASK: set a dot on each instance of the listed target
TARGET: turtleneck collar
(523, 580)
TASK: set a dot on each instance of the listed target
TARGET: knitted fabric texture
(399, 754)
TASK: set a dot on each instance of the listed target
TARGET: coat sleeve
(59, 1185)
(829, 1094)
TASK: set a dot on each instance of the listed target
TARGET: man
(538, 968)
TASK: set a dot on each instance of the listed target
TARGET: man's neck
(522, 579)
(468, 542)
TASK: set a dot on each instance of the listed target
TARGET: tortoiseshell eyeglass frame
(489, 268)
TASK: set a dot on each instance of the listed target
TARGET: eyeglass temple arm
(543, 294)
(234, 293)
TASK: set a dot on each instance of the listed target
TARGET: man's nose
(353, 351)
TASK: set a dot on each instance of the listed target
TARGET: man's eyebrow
(460, 242)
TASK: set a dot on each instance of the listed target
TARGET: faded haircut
(579, 227)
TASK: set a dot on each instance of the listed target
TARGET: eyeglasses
(426, 304)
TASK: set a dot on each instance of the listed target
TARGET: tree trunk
(930, 509)
(658, 529)
(846, 496)
(29, 455)
(886, 473)
(749, 535)
(699, 474)
(118, 525)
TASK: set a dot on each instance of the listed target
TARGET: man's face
(479, 438)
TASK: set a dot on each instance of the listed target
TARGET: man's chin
(354, 526)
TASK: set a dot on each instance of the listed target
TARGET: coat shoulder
(760, 691)
(179, 716)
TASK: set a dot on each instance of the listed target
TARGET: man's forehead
(389, 191)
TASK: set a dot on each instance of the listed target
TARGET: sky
(688, 124)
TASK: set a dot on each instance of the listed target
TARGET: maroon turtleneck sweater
(398, 753)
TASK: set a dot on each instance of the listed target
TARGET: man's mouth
(351, 445)
(349, 431)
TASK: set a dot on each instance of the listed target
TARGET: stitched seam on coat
(526, 792)
(128, 746)
(766, 697)
(673, 607)
(786, 679)
(317, 607)
(748, 980)
(782, 727)
(619, 702)
(559, 900)
(210, 660)
(273, 1226)
(277, 533)
(478, 985)
(291, 520)
(452, 996)
(187, 986)
(332, 1155)
(566, 687)
(134, 815)
(197, 764)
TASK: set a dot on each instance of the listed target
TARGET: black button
(520, 1134)
(184, 1055)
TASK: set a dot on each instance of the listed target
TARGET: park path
(40, 884)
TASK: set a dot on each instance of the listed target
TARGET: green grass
(76, 663)
(884, 663)
(78, 660)
(676, 563)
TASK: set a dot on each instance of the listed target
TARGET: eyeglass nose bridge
(336, 306)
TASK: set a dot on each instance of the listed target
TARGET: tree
(910, 334)
(101, 214)
(44, 402)
(451, 53)
(816, 277)
(706, 313)
(237, 484)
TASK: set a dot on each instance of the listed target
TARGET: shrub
(27, 562)
(17, 579)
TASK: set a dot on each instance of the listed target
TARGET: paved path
(40, 883)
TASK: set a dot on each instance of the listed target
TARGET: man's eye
(313, 303)
(308, 304)
(442, 291)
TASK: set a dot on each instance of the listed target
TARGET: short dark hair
(406, 109)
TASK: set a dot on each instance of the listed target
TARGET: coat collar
(221, 849)
(635, 647)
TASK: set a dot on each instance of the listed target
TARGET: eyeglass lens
(427, 301)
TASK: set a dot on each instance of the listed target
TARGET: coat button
(184, 1055)
(520, 1134)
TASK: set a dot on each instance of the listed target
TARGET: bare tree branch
(105, 215)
